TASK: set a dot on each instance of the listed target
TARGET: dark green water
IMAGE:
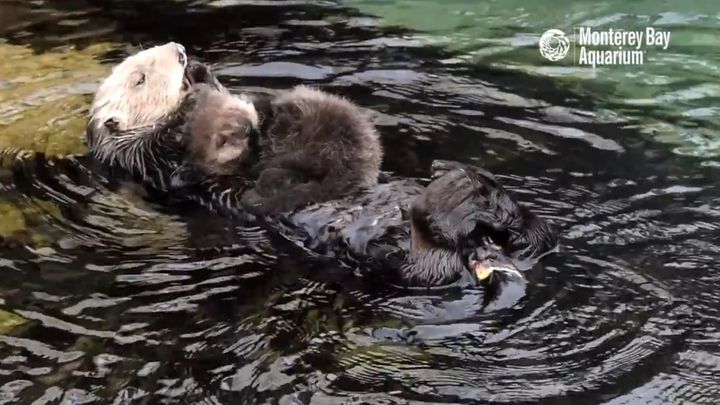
(109, 297)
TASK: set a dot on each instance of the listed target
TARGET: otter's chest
(365, 225)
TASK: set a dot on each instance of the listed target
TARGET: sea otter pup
(220, 135)
(301, 146)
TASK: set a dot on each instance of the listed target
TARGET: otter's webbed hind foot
(472, 193)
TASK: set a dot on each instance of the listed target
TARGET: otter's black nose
(182, 55)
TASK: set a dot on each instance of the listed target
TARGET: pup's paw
(252, 201)
(274, 181)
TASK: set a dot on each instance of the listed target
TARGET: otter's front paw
(185, 176)
(199, 73)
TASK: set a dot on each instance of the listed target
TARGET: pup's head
(221, 129)
(143, 89)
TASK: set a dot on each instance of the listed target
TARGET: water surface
(107, 296)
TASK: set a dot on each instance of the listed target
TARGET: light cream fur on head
(143, 89)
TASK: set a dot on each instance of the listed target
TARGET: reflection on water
(671, 98)
(107, 295)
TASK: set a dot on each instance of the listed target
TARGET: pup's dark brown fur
(301, 146)
(218, 131)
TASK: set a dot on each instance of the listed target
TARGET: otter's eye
(141, 80)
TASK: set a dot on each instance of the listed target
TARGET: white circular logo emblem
(554, 45)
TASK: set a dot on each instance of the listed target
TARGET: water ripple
(109, 296)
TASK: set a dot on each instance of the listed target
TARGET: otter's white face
(143, 89)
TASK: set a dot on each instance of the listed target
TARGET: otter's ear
(112, 125)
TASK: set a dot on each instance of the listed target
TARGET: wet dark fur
(412, 234)
(308, 147)
(427, 233)
(464, 202)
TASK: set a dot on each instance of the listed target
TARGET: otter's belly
(361, 224)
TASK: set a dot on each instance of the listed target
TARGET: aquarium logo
(554, 45)
(607, 47)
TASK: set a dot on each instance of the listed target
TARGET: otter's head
(138, 109)
(142, 90)
(222, 131)
(466, 223)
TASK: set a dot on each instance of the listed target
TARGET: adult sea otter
(462, 224)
